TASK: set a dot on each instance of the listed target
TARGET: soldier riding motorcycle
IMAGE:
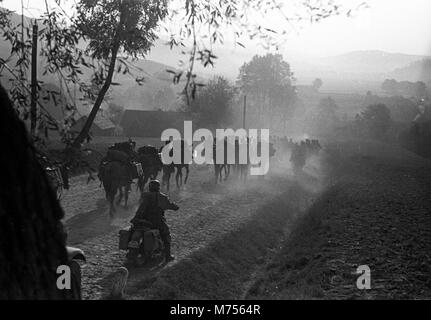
(150, 215)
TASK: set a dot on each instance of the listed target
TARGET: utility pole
(244, 111)
(21, 68)
(22, 26)
(33, 105)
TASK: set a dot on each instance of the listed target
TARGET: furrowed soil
(376, 211)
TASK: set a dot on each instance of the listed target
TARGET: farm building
(143, 123)
(102, 126)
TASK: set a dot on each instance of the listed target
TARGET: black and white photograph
(236, 152)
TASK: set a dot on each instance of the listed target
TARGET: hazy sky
(390, 25)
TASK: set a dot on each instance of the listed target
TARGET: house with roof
(102, 125)
(151, 123)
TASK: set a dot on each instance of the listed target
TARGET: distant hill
(230, 58)
(415, 71)
(128, 94)
(373, 62)
(352, 72)
(356, 71)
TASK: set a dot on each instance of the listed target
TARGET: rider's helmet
(132, 144)
(154, 186)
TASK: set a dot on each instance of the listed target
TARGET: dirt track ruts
(209, 216)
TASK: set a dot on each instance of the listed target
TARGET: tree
(390, 86)
(410, 89)
(317, 84)
(324, 117)
(377, 119)
(128, 26)
(212, 104)
(203, 23)
(328, 108)
(268, 83)
(128, 32)
(402, 109)
(61, 65)
(32, 237)
(420, 90)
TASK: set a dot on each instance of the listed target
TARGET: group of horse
(286, 144)
(123, 164)
(240, 166)
(302, 151)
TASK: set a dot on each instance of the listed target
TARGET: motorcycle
(149, 247)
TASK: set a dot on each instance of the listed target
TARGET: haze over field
(350, 54)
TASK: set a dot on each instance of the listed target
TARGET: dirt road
(221, 235)
(359, 203)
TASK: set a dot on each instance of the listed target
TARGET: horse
(168, 169)
(151, 164)
(220, 167)
(127, 147)
(114, 178)
(241, 169)
(298, 157)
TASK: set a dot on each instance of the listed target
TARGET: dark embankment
(224, 268)
(377, 213)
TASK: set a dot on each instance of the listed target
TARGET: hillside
(358, 71)
(128, 94)
(352, 72)
(371, 62)
(416, 71)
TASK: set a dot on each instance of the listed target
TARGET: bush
(376, 120)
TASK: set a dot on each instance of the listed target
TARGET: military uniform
(151, 209)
